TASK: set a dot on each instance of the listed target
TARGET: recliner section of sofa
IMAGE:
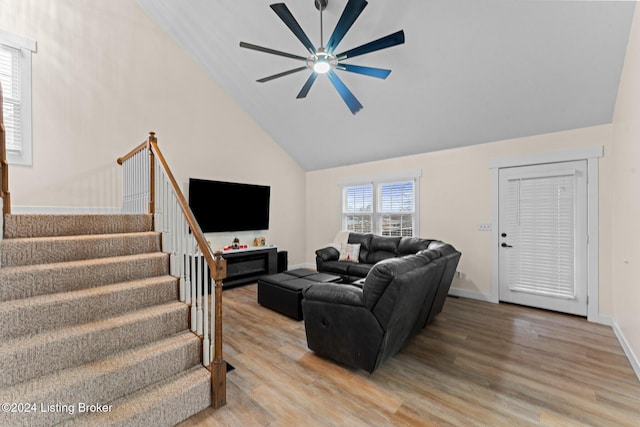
(362, 328)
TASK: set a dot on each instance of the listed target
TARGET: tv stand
(247, 265)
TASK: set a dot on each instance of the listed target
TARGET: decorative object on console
(260, 241)
(324, 60)
(236, 243)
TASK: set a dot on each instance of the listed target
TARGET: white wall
(104, 75)
(456, 195)
(625, 257)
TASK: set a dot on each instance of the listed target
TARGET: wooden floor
(477, 364)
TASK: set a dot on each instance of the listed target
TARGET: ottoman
(282, 292)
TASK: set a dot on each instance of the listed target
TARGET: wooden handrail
(4, 166)
(133, 152)
(217, 264)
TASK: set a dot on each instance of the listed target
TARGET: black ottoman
(282, 292)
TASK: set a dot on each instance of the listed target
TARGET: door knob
(504, 245)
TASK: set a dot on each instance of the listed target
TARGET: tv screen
(227, 206)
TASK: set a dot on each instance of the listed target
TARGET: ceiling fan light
(321, 67)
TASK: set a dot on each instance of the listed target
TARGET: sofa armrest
(328, 254)
(334, 294)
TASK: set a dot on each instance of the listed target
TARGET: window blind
(396, 207)
(541, 229)
(357, 208)
(10, 77)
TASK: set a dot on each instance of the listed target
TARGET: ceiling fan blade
(284, 73)
(379, 73)
(272, 51)
(307, 86)
(348, 97)
(285, 14)
(352, 10)
(382, 43)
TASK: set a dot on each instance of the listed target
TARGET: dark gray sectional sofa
(363, 326)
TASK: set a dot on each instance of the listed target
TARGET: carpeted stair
(89, 315)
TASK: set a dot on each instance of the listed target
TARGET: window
(357, 208)
(15, 77)
(385, 205)
(396, 208)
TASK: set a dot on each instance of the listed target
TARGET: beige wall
(456, 195)
(625, 257)
(103, 76)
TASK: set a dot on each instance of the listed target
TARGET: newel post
(218, 366)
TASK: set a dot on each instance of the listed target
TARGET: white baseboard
(463, 293)
(635, 364)
(56, 210)
(602, 320)
(309, 266)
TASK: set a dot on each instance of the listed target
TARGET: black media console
(247, 265)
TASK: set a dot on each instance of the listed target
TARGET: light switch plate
(484, 227)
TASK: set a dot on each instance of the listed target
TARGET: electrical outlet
(484, 227)
(459, 274)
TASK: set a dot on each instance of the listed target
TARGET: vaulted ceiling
(471, 71)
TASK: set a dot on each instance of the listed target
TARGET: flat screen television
(220, 206)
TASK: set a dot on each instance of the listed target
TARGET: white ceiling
(471, 71)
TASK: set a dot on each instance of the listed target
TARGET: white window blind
(541, 230)
(15, 77)
(357, 208)
(396, 208)
(10, 77)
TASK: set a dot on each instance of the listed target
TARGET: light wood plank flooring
(477, 364)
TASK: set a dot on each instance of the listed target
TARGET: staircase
(91, 328)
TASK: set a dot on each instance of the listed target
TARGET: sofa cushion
(365, 244)
(412, 245)
(360, 269)
(383, 273)
(337, 267)
(382, 247)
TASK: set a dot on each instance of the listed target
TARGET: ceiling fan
(324, 60)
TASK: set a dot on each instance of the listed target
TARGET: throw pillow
(350, 252)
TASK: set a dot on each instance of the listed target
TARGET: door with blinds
(543, 236)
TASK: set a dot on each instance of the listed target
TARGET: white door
(543, 236)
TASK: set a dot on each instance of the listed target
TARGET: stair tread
(39, 389)
(21, 314)
(44, 250)
(79, 236)
(76, 330)
(32, 225)
(94, 261)
(29, 281)
(164, 403)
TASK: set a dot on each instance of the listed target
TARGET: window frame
(26, 47)
(376, 183)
